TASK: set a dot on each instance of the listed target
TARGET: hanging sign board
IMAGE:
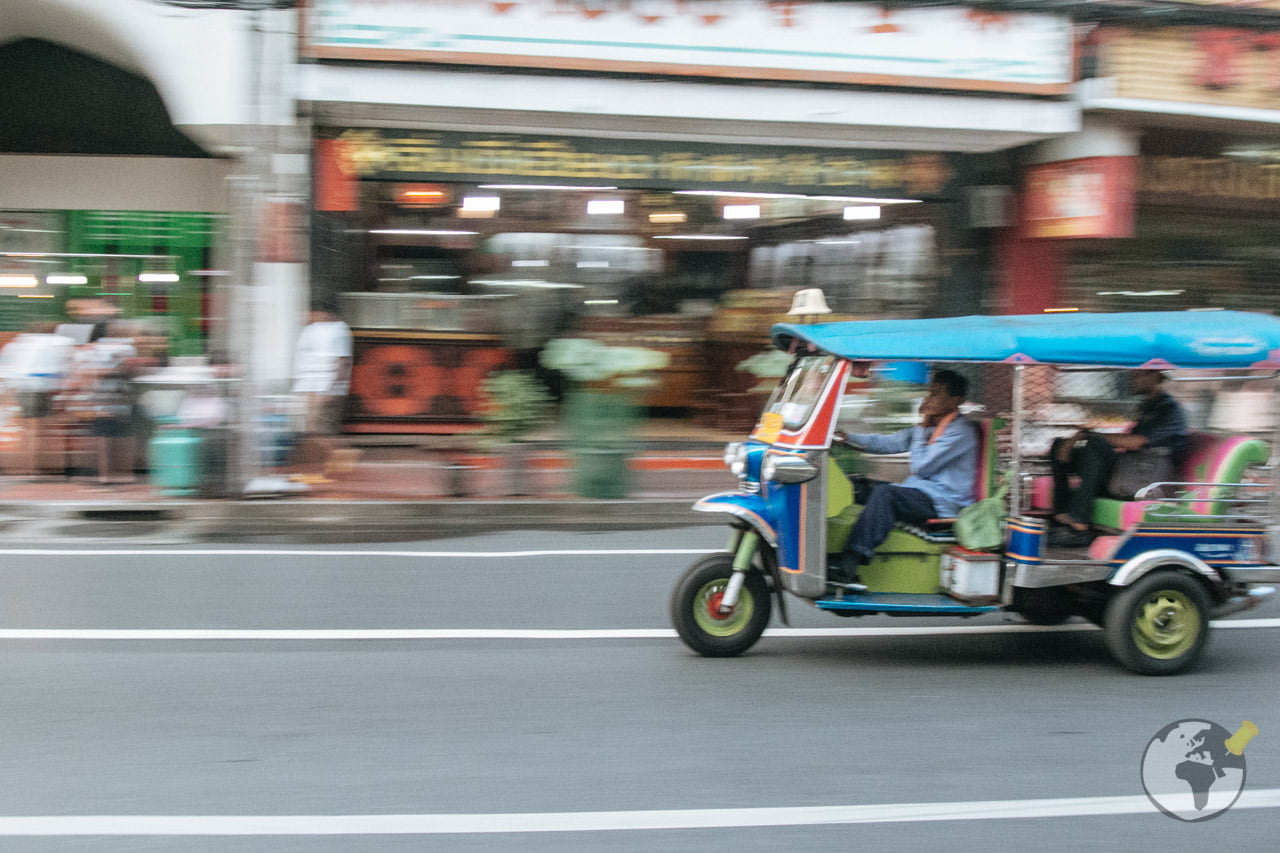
(1089, 197)
(861, 43)
(411, 155)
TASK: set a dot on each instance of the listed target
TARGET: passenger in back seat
(1091, 456)
(944, 462)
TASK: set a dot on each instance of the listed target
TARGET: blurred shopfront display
(463, 253)
(148, 267)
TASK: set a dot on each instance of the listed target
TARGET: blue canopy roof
(1153, 339)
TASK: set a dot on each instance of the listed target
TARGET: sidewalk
(398, 486)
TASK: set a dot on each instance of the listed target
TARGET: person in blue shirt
(944, 452)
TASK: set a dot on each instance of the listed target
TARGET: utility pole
(247, 190)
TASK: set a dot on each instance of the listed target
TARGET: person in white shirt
(32, 368)
(322, 375)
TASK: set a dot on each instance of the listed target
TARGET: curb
(325, 522)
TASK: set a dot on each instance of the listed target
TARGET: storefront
(490, 176)
(151, 269)
(1181, 211)
(1205, 235)
(462, 253)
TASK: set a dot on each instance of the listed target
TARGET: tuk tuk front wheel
(1160, 624)
(695, 608)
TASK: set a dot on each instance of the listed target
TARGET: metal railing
(1247, 501)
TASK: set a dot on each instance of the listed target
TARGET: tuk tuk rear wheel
(696, 599)
(1160, 624)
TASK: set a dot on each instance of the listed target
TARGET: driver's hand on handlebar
(840, 436)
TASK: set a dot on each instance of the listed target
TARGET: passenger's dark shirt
(1164, 423)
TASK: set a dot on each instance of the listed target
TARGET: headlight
(787, 470)
(735, 456)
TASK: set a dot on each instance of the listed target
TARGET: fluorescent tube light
(862, 211)
(697, 237)
(539, 187)
(606, 207)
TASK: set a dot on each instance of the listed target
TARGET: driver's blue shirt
(945, 470)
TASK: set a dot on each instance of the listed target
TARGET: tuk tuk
(1164, 563)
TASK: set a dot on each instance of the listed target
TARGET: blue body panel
(1215, 545)
(750, 508)
(903, 602)
(783, 504)
(1218, 339)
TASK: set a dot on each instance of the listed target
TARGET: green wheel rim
(1166, 624)
(708, 599)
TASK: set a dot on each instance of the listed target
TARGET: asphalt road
(410, 697)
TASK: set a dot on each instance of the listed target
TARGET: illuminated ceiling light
(741, 211)
(532, 263)
(606, 248)
(1060, 310)
(481, 203)
(1140, 292)
(667, 218)
(159, 277)
(599, 302)
(211, 273)
(697, 237)
(593, 265)
(66, 279)
(421, 195)
(35, 295)
(864, 199)
(540, 187)
(520, 282)
(606, 207)
(862, 211)
(421, 232)
(727, 193)
(18, 281)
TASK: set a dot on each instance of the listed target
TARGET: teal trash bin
(174, 454)
(601, 427)
(602, 472)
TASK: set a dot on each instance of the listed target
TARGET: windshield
(799, 390)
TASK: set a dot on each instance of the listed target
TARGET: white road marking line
(263, 552)
(535, 633)
(610, 821)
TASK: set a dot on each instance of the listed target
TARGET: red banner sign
(1090, 197)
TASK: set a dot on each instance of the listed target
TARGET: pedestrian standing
(322, 375)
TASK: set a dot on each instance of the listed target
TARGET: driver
(943, 464)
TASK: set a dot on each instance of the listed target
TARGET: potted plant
(601, 409)
(517, 405)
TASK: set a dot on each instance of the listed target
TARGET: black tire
(1159, 625)
(1044, 615)
(704, 630)
(1042, 606)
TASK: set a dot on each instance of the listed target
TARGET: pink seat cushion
(1103, 547)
